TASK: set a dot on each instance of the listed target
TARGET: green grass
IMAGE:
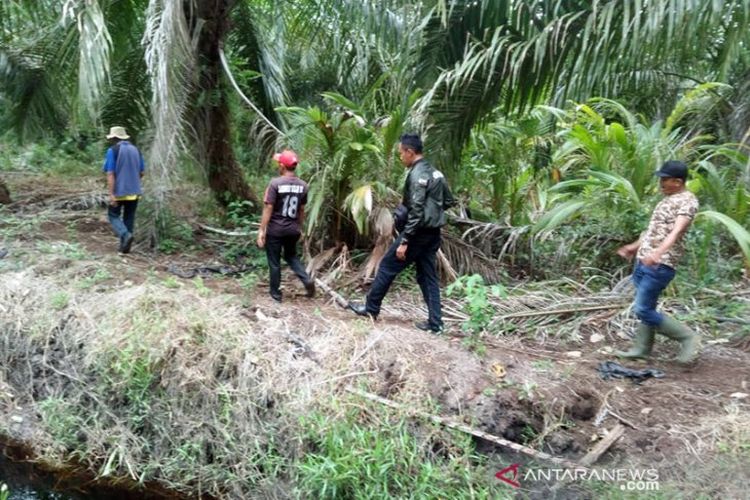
(360, 455)
(99, 276)
(73, 251)
(14, 226)
(53, 158)
(59, 300)
(62, 420)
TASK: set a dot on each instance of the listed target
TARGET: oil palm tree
(520, 53)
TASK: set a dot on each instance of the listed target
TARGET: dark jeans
(649, 282)
(274, 246)
(125, 223)
(422, 251)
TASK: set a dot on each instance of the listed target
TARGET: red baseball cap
(288, 158)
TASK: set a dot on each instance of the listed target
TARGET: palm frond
(169, 61)
(576, 46)
(739, 233)
(94, 47)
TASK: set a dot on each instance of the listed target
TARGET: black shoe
(361, 310)
(425, 326)
(126, 243)
(276, 296)
(310, 287)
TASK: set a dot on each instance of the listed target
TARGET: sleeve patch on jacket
(437, 174)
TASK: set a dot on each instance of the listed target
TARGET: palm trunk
(211, 119)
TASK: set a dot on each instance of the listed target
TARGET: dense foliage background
(548, 117)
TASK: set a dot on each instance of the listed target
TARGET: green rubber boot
(688, 340)
(642, 343)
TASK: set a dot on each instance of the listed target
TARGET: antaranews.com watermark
(628, 479)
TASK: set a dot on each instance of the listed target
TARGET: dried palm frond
(482, 234)
(316, 263)
(553, 311)
(340, 265)
(467, 259)
(382, 227)
(447, 273)
(83, 201)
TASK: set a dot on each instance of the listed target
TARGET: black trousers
(274, 247)
(422, 251)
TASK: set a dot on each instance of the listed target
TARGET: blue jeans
(649, 282)
(422, 251)
(122, 224)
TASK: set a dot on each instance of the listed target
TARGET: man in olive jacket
(426, 197)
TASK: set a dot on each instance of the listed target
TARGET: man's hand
(401, 251)
(651, 259)
(627, 252)
(112, 200)
(261, 239)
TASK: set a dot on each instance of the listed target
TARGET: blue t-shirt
(126, 162)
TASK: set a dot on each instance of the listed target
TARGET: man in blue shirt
(124, 167)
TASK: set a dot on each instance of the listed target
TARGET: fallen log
(591, 457)
(519, 448)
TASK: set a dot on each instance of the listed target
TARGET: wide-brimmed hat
(288, 158)
(118, 132)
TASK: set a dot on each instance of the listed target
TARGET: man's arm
(301, 217)
(111, 188)
(628, 251)
(416, 212)
(448, 199)
(681, 225)
(264, 220)
(109, 169)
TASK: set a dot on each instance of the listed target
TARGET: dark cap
(674, 169)
(411, 141)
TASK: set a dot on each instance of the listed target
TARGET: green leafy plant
(476, 303)
(171, 282)
(131, 374)
(201, 286)
(59, 300)
(73, 251)
(99, 276)
(240, 214)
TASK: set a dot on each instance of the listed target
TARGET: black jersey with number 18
(287, 194)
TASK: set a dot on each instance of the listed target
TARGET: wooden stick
(330, 291)
(225, 232)
(603, 445)
(519, 448)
